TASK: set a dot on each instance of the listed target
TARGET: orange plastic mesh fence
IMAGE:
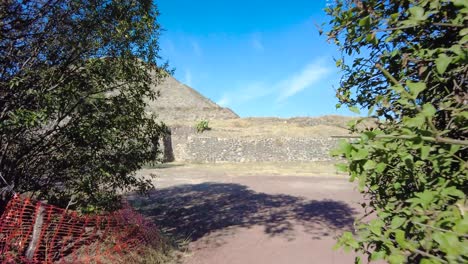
(34, 232)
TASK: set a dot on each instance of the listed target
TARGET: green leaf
(375, 226)
(426, 196)
(397, 222)
(341, 167)
(365, 22)
(344, 148)
(339, 62)
(348, 239)
(448, 242)
(417, 12)
(352, 123)
(371, 110)
(454, 192)
(442, 62)
(415, 88)
(368, 134)
(395, 258)
(357, 260)
(376, 255)
(460, 3)
(428, 110)
(369, 165)
(434, 4)
(462, 226)
(400, 238)
(354, 109)
(361, 154)
(458, 50)
(464, 40)
(425, 152)
(454, 148)
(428, 261)
(416, 121)
(380, 167)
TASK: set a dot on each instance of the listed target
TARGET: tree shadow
(193, 211)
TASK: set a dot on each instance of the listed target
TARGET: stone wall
(189, 146)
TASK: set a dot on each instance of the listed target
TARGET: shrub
(202, 126)
(406, 63)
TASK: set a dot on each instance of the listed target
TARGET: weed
(202, 126)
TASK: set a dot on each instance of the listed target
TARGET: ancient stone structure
(200, 148)
(181, 107)
(180, 102)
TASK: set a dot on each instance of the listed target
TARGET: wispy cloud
(256, 42)
(243, 95)
(196, 48)
(280, 90)
(188, 77)
(309, 75)
(225, 100)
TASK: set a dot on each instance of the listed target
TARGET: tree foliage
(74, 81)
(405, 62)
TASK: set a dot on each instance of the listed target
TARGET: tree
(405, 62)
(75, 77)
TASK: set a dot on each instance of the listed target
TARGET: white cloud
(256, 42)
(308, 76)
(281, 90)
(188, 77)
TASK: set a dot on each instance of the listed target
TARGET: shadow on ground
(193, 211)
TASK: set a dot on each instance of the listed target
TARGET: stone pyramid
(181, 102)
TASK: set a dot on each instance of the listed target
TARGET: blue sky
(257, 57)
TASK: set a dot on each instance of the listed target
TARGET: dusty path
(229, 218)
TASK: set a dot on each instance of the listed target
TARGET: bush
(202, 126)
(406, 63)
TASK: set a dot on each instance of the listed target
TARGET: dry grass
(324, 126)
(164, 251)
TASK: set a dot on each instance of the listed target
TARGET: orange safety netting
(34, 232)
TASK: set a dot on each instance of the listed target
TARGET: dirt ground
(253, 213)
